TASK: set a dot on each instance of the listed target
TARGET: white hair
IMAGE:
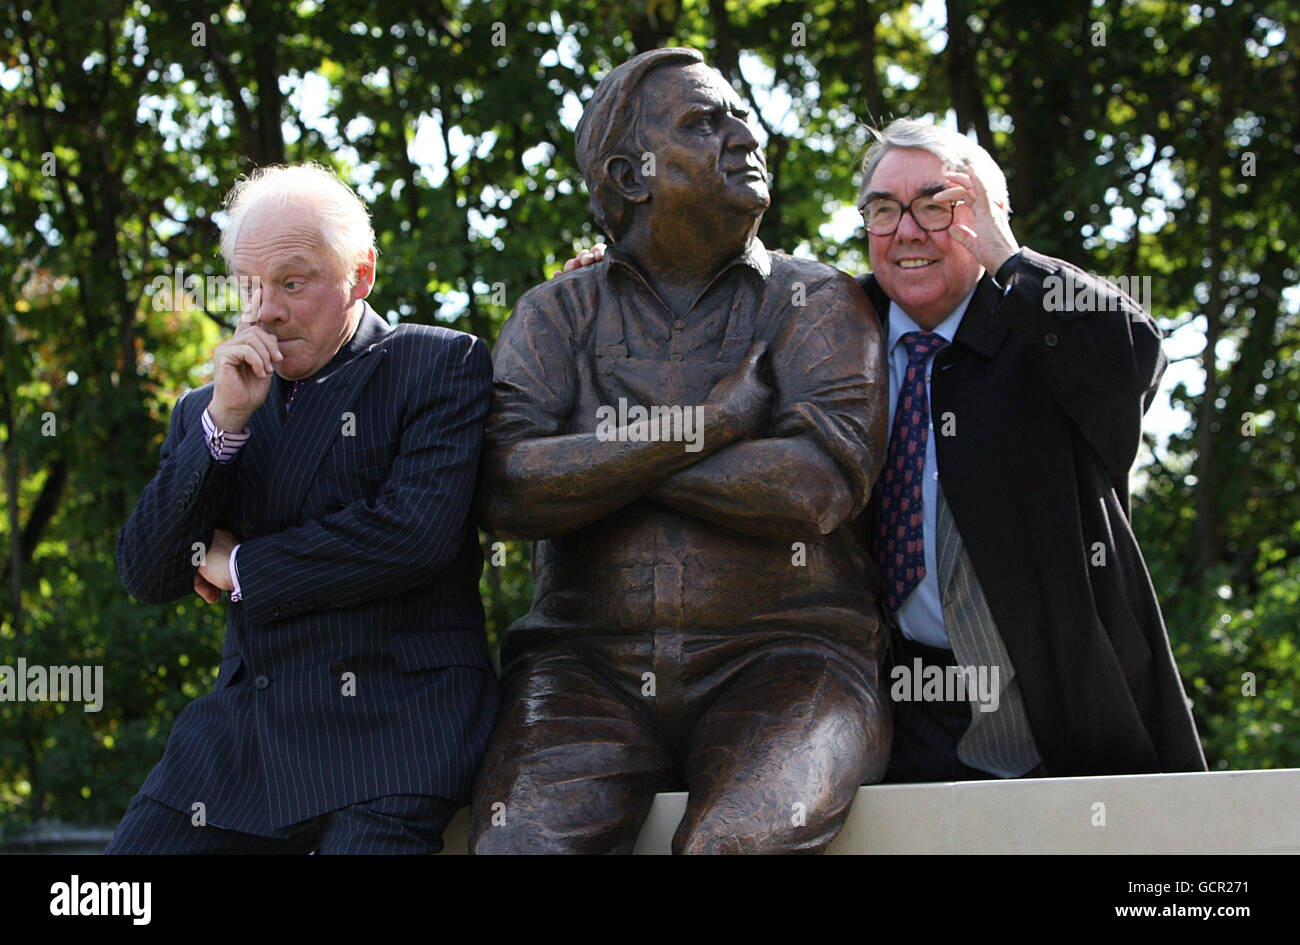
(951, 147)
(345, 230)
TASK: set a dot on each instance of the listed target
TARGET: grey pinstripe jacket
(355, 665)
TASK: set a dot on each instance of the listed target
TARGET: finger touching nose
(272, 309)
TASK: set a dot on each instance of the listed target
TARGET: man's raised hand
(982, 226)
(242, 369)
(588, 257)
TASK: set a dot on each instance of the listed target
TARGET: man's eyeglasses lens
(883, 216)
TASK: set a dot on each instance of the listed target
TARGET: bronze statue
(684, 430)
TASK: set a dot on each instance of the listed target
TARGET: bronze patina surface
(683, 431)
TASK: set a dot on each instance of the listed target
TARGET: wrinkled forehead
(904, 173)
(272, 235)
(678, 87)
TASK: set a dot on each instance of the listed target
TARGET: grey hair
(951, 147)
(345, 231)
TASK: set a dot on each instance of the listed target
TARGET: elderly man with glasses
(1001, 522)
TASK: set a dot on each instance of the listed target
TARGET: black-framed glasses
(883, 214)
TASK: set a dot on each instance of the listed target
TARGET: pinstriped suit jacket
(355, 665)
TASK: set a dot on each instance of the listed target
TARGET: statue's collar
(755, 257)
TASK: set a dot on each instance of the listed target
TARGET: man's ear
(624, 177)
(365, 277)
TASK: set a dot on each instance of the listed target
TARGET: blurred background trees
(1144, 139)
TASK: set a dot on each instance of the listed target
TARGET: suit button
(180, 505)
(261, 682)
(275, 611)
(1050, 339)
(339, 668)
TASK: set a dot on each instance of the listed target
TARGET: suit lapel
(256, 457)
(316, 420)
(980, 329)
(879, 301)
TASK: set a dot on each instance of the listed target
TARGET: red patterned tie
(900, 532)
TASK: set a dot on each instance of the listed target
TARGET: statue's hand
(741, 401)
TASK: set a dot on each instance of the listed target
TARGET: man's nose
(273, 308)
(741, 136)
(909, 230)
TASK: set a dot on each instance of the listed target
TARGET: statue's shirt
(601, 335)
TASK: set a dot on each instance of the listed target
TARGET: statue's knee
(488, 836)
(493, 841)
(798, 830)
(548, 830)
(705, 838)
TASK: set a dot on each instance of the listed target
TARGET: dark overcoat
(1037, 409)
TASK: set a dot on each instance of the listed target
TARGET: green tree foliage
(1140, 139)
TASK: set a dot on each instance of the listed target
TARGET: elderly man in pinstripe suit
(324, 479)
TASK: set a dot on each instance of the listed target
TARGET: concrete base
(1220, 812)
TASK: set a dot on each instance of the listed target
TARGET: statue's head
(664, 133)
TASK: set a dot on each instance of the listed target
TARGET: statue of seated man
(684, 430)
